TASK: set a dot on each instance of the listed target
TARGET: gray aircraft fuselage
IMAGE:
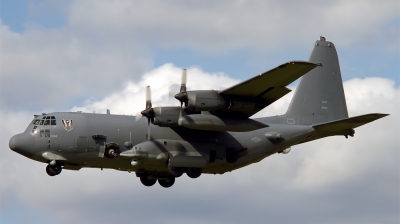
(78, 147)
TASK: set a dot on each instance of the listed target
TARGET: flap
(348, 123)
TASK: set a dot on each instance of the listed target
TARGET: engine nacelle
(205, 100)
(166, 116)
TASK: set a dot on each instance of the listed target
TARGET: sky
(97, 55)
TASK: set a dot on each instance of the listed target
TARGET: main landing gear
(149, 180)
(168, 181)
(53, 170)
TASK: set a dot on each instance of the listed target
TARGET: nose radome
(23, 144)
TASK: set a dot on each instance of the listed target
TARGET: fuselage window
(45, 133)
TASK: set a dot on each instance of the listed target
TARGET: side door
(81, 145)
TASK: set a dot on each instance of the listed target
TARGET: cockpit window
(48, 120)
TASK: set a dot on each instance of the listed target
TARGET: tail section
(319, 96)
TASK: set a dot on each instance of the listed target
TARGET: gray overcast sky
(94, 55)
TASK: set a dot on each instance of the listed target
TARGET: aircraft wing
(267, 87)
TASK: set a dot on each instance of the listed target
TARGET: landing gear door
(100, 143)
(102, 150)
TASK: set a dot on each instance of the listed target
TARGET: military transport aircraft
(211, 132)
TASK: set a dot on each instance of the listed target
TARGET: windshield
(46, 120)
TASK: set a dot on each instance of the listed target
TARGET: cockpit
(46, 120)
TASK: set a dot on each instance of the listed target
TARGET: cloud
(332, 176)
(227, 25)
(47, 68)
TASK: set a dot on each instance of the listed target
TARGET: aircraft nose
(23, 144)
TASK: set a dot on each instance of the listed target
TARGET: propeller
(182, 95)
(148, 112)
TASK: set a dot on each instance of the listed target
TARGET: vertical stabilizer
(319, 96)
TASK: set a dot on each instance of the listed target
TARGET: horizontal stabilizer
(348, 123)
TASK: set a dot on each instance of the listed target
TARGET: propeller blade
(183, 81)
(148, 97)
(148, 129)
(182, 95)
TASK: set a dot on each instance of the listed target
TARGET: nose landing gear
(53, 170)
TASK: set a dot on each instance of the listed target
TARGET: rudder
(319, 96)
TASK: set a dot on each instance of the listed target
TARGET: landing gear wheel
(147, 180)
(112, 150)
(194, 172)
(53, 170)
(167, 182)
(175, 171)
